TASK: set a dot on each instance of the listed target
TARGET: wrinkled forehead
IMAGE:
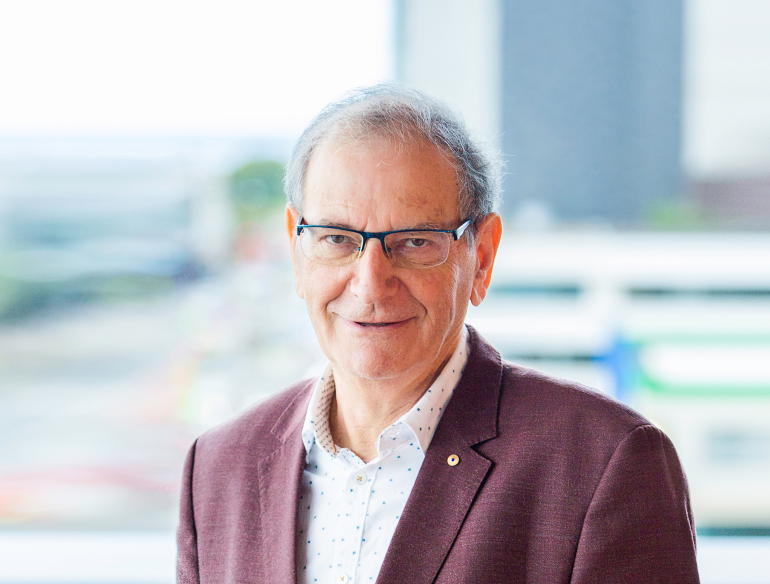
(385, 144)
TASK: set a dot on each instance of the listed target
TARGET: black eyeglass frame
(367, 235)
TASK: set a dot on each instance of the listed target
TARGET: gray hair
(402, 114)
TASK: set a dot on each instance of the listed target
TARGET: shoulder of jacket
(548, 400)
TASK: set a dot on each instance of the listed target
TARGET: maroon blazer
(555, 484)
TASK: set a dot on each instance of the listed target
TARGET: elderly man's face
(372, 319)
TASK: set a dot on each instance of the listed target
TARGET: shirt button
(360, 480)
(341, 578)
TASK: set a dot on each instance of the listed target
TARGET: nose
(374, 278)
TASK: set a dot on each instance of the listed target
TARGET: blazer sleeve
(639, 526)
(186, 535)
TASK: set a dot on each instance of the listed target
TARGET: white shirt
(348, 510)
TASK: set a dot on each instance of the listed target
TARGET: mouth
(377, 325)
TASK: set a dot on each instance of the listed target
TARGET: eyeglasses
(405, 248)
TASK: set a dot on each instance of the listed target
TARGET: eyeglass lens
(406, 249)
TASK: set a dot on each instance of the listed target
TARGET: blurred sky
(171, 67)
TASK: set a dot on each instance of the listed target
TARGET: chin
(376, 367)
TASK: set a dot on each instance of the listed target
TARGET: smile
(376, 325)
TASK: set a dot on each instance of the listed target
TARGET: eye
(337, 239)
(416, 242)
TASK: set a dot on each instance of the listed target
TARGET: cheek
(446, 293)
(320, 285)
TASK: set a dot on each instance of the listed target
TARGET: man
(419, 456)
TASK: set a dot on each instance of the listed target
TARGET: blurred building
(591, 105)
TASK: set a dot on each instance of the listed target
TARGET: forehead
(381, 183)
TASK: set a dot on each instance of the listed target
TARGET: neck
(363, 408)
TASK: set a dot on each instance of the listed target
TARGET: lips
(377, 324)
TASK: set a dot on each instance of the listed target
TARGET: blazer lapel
(280, 475)
(443, 494)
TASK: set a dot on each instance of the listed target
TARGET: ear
(487, 242)
(292, 220)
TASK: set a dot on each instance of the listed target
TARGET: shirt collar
(316, 427)
(422, 419)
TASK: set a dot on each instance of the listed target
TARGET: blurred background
(146, 292)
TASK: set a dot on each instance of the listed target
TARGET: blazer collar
(443, 494)
(473, 407)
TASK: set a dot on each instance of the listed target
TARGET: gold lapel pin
(453, 460)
